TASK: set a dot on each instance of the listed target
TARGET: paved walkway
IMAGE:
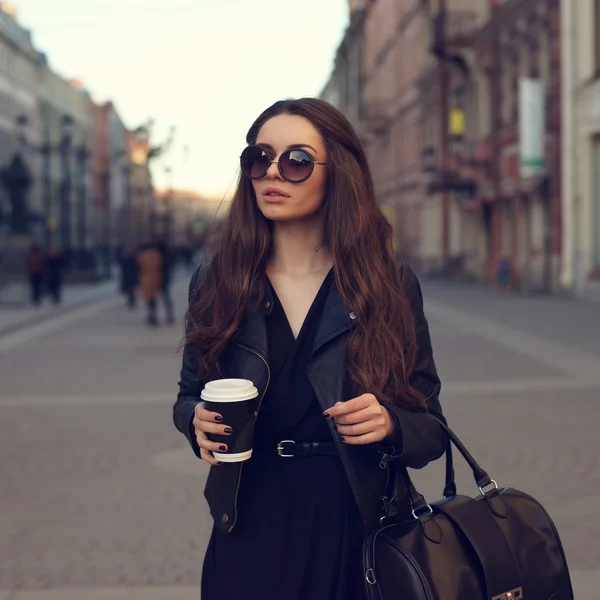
(16, 310)
(101, 499)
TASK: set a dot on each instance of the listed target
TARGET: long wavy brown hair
(381, 348)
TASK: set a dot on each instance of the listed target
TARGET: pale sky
(207, 66)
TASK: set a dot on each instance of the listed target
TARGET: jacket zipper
(239, 481)
(385, 500)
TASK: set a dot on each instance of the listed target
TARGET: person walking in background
(150, 279)
(54, 273)
(129, 276)
(36, 266)
(167, 273)
(305, 298)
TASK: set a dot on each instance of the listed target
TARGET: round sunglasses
(294, 165)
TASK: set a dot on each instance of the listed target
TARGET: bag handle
(482, 479)
(450, 485)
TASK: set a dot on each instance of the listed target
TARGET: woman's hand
(362, 420)
(209, 422)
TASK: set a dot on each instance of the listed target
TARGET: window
(597, 36)
(596, 226)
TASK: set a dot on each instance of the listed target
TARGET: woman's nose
(273, 171)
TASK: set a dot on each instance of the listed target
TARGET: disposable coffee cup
(235, 400)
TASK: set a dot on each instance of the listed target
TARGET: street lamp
(126, 225)
(65, 187)
(168, 203)
(82, 155)
(49, 225)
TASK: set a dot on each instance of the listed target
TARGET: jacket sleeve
(418, 438)
(189, 384)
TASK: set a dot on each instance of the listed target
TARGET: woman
(150, 279)
(304, 298)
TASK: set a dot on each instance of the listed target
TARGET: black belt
(293, 449)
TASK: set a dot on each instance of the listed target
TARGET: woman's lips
(274, 195)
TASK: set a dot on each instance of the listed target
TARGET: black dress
(299, 533)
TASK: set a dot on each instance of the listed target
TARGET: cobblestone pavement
(101, 498)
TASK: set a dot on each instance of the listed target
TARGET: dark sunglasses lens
(296, 165)
(255, 162)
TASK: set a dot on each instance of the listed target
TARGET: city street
(101, 498)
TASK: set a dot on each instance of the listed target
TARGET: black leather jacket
(418, 439)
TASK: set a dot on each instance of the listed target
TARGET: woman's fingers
(201, 413)
(361, 428)
(204, 422)
(360, 416)
(208, 457)
(204, 442)
(210, 427)
(360, 440)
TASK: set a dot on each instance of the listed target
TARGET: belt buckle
(280, 448)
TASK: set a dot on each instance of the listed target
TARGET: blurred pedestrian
(150, 279)
(129, 276)
(168, 263)
(36, 266)
(305, 298)
(54, 273)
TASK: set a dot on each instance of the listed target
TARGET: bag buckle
(516, 594)
(281, 449)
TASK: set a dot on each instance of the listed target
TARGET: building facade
(516, 210)
(110, 187)
(581, 147)
(345, 85)
(68, 122)
(139, 212)
(20, 119)
(440, 99)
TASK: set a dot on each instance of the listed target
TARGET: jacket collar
(335, 320)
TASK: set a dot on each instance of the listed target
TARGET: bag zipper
(239, 481)
(373, 589)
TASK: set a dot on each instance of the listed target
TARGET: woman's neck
(299, 249)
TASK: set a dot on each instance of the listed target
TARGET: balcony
(453, 30)
(377, 117)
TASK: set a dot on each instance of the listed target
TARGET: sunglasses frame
(271, 161)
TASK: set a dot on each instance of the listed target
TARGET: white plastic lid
(229, 390)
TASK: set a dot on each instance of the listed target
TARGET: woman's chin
(285, 214)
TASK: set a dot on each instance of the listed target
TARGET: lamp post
(82, 155)
(168, 203)
(46, 152)
(65, 186)
(126, 225)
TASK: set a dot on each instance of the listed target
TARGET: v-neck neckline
(311, 309)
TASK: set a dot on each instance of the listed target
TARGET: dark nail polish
(342, 438)
(223, 448)
(327, 415)
(228, 430)
(218, 418)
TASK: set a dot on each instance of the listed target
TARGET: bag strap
(473, 518)
(450, 486)
(475, 521)
(481, 477)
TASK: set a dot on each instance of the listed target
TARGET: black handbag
(501, 545)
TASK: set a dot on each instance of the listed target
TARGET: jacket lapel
(253, 332)
(335, 320)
